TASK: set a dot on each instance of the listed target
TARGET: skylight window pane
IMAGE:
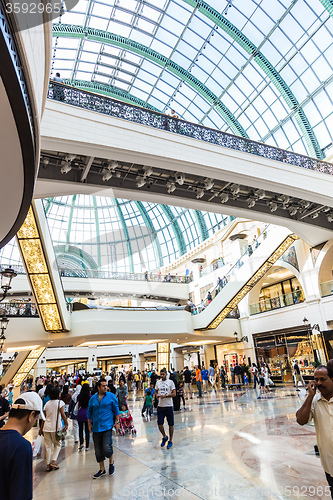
(124, 17)
(98, 23)
(102, 10)
(151, 13)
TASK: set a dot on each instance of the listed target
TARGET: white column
(176, 359)
(40, 367)
(92, 359)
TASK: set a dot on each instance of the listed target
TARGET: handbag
(61, 434)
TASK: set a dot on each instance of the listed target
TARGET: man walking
(319, 408)
(204, 377)
(165, 391)
(198, 380)
(211, 372)
(188, 381)
(103, 410)
(239, 373)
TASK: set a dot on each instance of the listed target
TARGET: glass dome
(90, 232)
(258, 69)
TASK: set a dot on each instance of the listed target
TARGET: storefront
(281, 348)
(230, 354)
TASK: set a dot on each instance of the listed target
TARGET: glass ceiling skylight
(268, 61)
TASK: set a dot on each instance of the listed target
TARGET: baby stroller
(126, 421)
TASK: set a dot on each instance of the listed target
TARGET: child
(126, 419)
(246, 380)
(149, 403)
(152, 392)
(181, 392)
(10, 396)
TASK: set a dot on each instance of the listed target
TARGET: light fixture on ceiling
(200, 193)
(224, 197)
(107, 175)
(148, 171)
(273, 206)
(6, 279)
(66, 167)
(112, 165)
(330, 217)
(315, 215)
(326, 209)
(251, 202)
(45, 162)
(180, 179)
(260, 193)
(285, 198)
(140, 181)
(293, 210)
(305, 204)
(171, 186)
(70, 157)
(235, 189)
(209, 184)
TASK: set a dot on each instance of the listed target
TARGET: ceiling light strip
(39, 274)
(253, 281)
(163, 355)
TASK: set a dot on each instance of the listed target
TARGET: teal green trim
(72, 31)
(48, 204)
(128, 241)
(267, 67)
(175, 226)
(152, 231)
(202, 224)
(70, 220)
(100, 88)
(76, 255)
(98, 239)
(328, 4)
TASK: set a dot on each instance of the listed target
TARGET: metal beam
(85, 172)
(175, 226)
(152, 231)
(267, 67)
(73, 31)
(128, 241)
(202, 224)
(99, 259)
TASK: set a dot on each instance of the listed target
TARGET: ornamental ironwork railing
(267, 304)
(18, 310)
(108, 106)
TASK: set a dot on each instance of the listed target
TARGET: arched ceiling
(260, 68)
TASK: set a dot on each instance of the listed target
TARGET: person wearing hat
(15, 451)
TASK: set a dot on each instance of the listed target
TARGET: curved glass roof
(260, 68)
(119, 235)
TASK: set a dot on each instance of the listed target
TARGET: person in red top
(198, 380)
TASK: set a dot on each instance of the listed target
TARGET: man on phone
(319, 407)
(165, 391)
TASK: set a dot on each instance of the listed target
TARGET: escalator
(243, 276)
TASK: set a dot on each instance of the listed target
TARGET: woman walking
(54, 412)
(83, 402)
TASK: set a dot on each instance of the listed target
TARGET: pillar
(176, 360)
(163, 355)
(92, 359)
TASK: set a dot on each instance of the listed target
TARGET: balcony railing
(109, 275)
(326, 288)
(227, 277)
(112, 107)
(18, 310)
(289, 299)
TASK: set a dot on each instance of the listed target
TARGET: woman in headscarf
(73, 412)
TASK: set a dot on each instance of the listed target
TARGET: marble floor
(229, 445)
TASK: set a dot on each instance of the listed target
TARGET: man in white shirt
(91, 381)
(319, 407)
(165, 391)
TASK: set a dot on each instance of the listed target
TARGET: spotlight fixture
(140, 181)
(305, 204)
(6, 279)
(107, 175)
(180, 179)
(285, 198)
(330, 217)
(234, 189)
(260, 194)
(251, 202)
(200, 193)
(209, 184)
(46, 161)
(224, 197)
(148, 171)
(293, 210)
(326, 209)
(314, 215)
(273, 206)
(171, 186)
(70, 157)
(66, 167)
(112, 165)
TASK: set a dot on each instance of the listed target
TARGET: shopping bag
(38, 444)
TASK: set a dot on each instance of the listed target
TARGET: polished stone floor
(229, 445)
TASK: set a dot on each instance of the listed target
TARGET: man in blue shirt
(103, 411)
(204, 376)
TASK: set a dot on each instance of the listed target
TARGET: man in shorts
(165, 391)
